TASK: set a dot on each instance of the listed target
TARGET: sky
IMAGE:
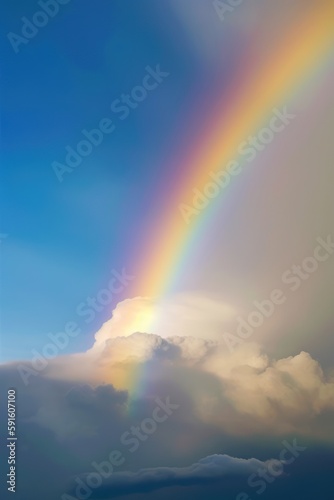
(166, 234)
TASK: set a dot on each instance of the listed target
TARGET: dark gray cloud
(207, 470)
(63, 426)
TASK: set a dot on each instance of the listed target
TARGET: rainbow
(241, 111)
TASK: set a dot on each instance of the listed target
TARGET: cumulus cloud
(295, 386)
(286, 393)
(240, 391)
(80, 410)
(207, 470)
(83, 403)
(187, 314)
(244, 391)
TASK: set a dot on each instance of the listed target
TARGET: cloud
(187, 314)
(242, 392)
(207, 470)
(81, 410)
(83, 403)
(283, 395)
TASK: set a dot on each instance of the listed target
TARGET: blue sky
(63, 237)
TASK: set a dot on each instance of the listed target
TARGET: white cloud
(243, 391)
(186, 314)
